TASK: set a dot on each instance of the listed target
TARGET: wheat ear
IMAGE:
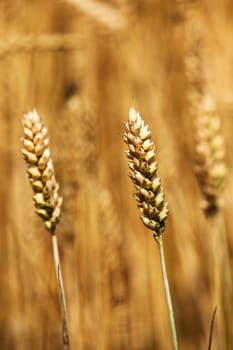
(211, 172)
(41, 175)
(149, 195)
(210, 165)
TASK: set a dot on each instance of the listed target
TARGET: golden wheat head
(40, 170)
(143, 172)
(210, 165)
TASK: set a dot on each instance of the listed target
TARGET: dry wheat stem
(212, 328)
(222, 279)
(62, 299)
(48, 203)
(159, 242)
(149, 195)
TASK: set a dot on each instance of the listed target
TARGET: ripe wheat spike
(210, 169)
(149, 195)
(143, 172)
(40, 170)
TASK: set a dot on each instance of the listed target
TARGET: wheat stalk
(48, 203)
(210, 169)
(149, 195)
(209, 150)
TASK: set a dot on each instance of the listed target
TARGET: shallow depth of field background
(121, 53)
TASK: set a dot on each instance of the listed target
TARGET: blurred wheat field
(82, 64)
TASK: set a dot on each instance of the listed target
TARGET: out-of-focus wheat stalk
(42, 42)
(209, 151)
(102, 13)
(211, 171)
(114, 269)
(149, 195)
(48, 203)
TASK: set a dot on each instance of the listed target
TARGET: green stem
(159, 241)
(65, 334)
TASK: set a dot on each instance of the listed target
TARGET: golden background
(82, 64)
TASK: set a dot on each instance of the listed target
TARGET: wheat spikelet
(40, 170)
(210, 166)
(143, 172)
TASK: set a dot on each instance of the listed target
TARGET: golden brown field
(82, 64)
